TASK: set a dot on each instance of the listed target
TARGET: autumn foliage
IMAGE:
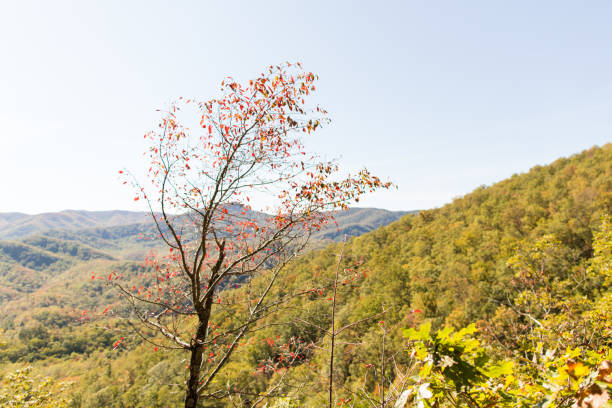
(246, 146)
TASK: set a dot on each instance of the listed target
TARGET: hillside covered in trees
(500, 298)
(45, 278)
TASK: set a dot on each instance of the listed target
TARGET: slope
(462, 263)
(28, 264)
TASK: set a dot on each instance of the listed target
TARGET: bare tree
(247, 146)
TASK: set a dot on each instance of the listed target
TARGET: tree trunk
(197, 350)
(195, 365)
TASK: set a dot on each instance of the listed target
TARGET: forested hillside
(45, 278)
(522, 265)
(503, 257)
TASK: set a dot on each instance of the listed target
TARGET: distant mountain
(50, 246)
(18, 225)
(358, 221)
(102, 229)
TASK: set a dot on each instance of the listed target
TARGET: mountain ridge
(14, 225)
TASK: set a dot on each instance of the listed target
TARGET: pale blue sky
(439, 96)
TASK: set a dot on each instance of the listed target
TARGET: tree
(248, 146)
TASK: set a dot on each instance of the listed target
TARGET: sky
(439, 97)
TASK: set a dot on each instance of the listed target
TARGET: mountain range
(38, 250)
(72, 223)
(15, 225)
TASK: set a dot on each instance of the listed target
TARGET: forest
(500, 298)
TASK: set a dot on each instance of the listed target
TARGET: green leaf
(500, 370)
(421, 334)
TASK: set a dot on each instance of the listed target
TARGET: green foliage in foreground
(456, 370)
(564, 360)
(20, 390)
